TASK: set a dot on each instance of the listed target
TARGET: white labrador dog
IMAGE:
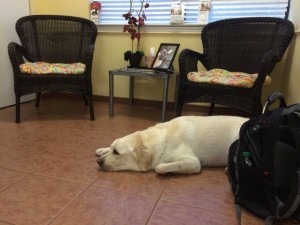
(182, 145)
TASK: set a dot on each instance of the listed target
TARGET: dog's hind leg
(183, 166)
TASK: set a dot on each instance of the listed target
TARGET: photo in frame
(165, 56)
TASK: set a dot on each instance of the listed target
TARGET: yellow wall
(292, 81)
(60, 7)
(110, 47)
(109, 54)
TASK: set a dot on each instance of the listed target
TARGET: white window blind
(223, 9)
(159, 11)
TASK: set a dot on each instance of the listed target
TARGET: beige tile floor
(49, 174)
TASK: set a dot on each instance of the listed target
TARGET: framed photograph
(165, 56)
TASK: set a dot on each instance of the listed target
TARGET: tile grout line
(184, 204)
(198, 207)
(69, 204)
(4, 189)
(8, 223)
(120, 191)
(158, 200)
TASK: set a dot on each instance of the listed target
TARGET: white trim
(173, 28)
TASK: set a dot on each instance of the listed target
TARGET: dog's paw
(102, 151)
(226, 170)
(160, 169)
(98, 152)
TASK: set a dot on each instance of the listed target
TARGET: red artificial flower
(135, 23)
(127, 16)
(141, 21)
(137, 35)
(126, 28)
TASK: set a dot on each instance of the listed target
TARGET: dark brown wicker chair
(53, 39)
(249, 45)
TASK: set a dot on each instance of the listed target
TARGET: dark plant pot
(135, 59)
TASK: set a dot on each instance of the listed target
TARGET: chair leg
(178, 110)
(85, 100)
(211, 109)
(18, 109)
(37, 99)
(91, 105)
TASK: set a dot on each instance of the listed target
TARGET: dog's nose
(101, 162)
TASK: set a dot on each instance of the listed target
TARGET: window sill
(174, 28)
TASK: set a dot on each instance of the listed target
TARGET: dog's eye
(116, 152)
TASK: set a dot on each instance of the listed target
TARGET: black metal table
(131, 72)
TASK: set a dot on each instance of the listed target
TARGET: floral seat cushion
(224, 77)
(52, 68)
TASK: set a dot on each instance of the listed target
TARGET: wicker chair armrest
(89, 59)
(267, 64)
(90, 54)
(16, 54)
(188, 61)
(271, 56)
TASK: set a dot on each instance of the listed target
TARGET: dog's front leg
(102, 151)
(183, 166)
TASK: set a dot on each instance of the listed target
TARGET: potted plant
(133, 27)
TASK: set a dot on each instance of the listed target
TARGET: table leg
(131, 90)
(111, 94)
(165, 98)
(176, 92)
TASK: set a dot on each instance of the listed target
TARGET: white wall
(10, 11)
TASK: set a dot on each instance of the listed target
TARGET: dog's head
(126, 153)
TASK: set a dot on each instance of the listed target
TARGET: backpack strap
(238, 213)
(294, 125)
(273, 97)
(236, 144)
(294, 199)
(286, 210)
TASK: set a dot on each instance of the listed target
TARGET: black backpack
(264, 164)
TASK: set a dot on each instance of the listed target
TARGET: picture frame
(165, 56)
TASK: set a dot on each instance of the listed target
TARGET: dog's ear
(142, 155)
(143, 158)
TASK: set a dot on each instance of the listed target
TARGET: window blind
(112, 11)
(159, 11)
(223, 9)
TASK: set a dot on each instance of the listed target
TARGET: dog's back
(209, 136)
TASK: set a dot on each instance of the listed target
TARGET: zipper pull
(247, 159)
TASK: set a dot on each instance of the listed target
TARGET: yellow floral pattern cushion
(224, 77)
(52, 68)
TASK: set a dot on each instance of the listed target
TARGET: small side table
(131, 72)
